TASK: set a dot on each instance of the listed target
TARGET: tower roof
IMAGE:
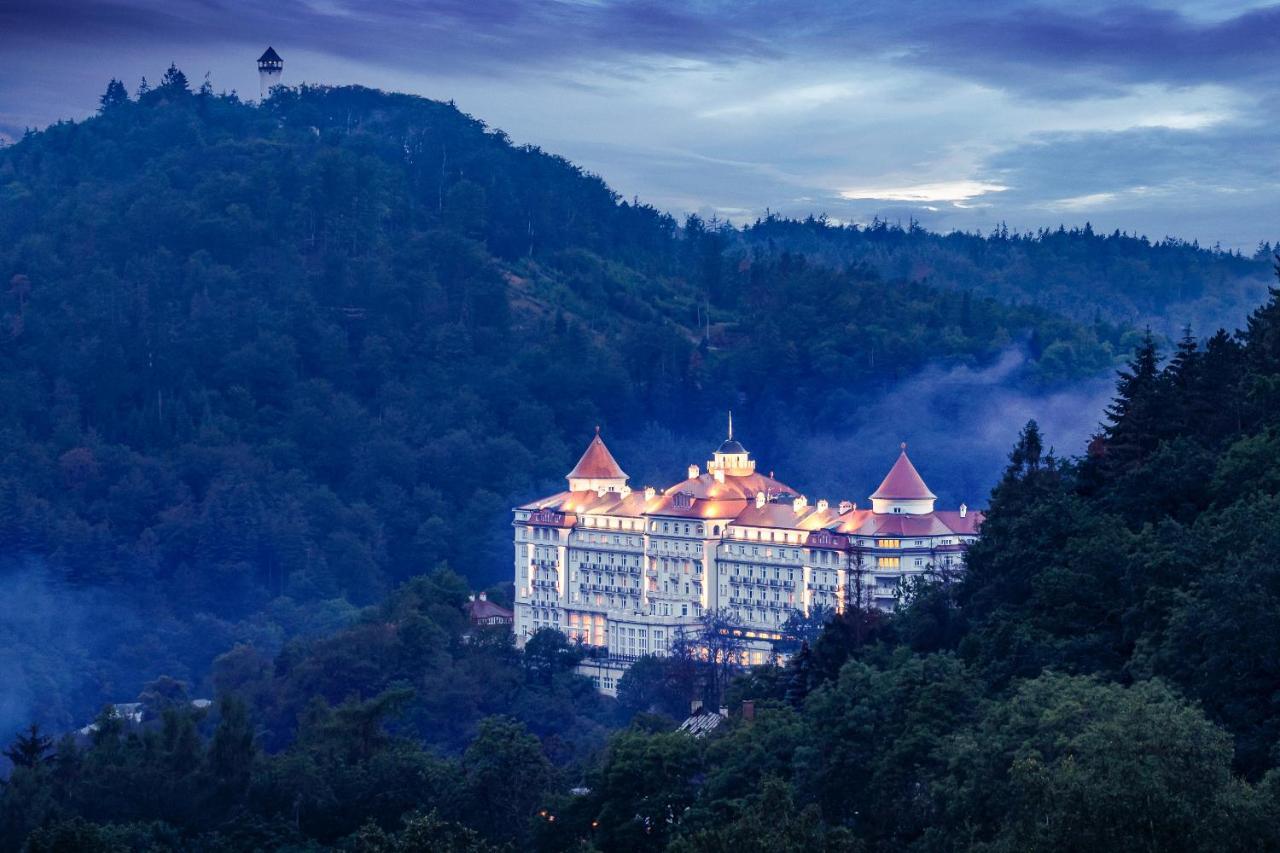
(903, 482)
(270, 56)
(597, 463)
(730, 445)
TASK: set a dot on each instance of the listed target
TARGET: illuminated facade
(633, 570)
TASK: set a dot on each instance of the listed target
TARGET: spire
(731, 458)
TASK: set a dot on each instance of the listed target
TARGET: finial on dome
(902, 447)
(731, 424)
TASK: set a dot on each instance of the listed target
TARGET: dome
(731, 446)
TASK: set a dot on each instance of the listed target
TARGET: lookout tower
(270, 70)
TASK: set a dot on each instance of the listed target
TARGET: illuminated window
(888, 543)
(889, 562)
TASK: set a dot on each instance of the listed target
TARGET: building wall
(635, 585)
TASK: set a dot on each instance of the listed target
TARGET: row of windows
(601, 558)
(608, 539)
(614, 523)
(679, 528)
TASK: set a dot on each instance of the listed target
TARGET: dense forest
(261, 364)
(1127, 278)
(1101, 677)
(273, 376)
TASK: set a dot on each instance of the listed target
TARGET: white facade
(270, 72)
(631, 571)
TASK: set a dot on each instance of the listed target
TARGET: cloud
(961, 190)
(913, 109)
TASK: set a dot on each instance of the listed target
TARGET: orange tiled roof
(597, 463)
(903, 482)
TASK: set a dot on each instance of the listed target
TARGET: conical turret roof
(270, 56)
(597, 463)
(903, 482)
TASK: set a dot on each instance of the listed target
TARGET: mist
(59, 646)
(959, 423)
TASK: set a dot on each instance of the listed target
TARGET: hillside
(1166, 284)
(1099, 679)
(273, 376)
(263, 364)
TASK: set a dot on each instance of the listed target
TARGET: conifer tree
(114, 96)
(1136, 417)
(799, 684)
(174, 80)
(30, 748)
(1261, 339)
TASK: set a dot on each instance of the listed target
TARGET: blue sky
(1154, 118)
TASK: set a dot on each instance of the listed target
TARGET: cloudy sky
(1158, 118)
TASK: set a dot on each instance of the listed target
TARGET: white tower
(270, 70)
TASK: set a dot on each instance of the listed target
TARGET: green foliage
(1076, 272)
(268, 362)
(1072, 764)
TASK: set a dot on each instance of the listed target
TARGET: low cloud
(959, 425)
(953, 191)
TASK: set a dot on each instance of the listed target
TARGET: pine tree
(30, 748)
(1221, 376)
(113, 97)
(1182, 374)
(1136, 417)
(800, 682)
(174, 80)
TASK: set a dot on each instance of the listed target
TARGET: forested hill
(259, 364)
(1168, 283)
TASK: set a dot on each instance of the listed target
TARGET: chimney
(693, 472)
(625, 491)
(719, 473)
(649, 493)
(484, 596)
(845, 506)
(823, 505)
(800, 504)
(695, 707)
(471, 597)
(964, 510)
(748, 709)
(724, 710)
(759, 500)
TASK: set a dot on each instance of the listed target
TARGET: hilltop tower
(270, 70)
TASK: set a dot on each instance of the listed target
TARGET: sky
(1155, 118)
